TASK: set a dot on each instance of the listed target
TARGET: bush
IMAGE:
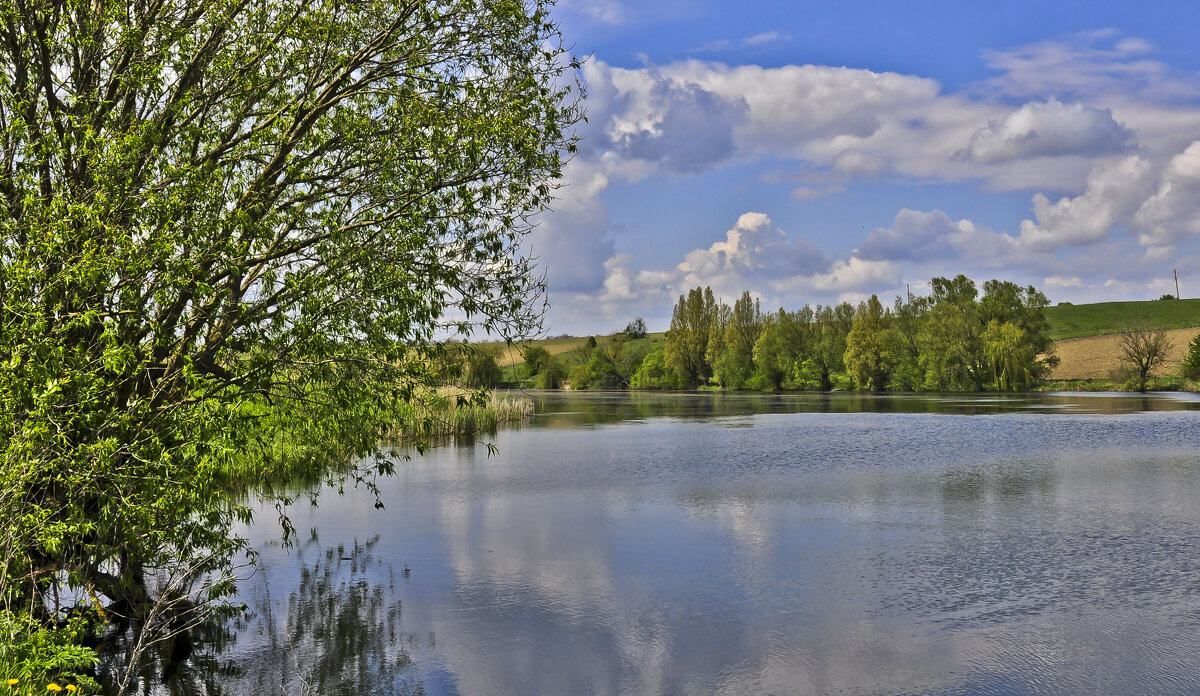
(1191, 364)
(483, 370)
(655, 373)
(550, 376)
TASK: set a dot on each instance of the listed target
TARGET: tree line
(954, 339)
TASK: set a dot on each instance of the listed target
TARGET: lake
(752, 544)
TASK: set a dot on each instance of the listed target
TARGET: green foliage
(656, 373)
(908, 345)
(1010, 355)
(731, 349)
(692, 323)
(830, 328)
(869, 346)
(779, 346)
(609, 366)
(226, 226)
(953, 359)
(636, 329)
(536, 359)
(550, 376)
(1191, 363)
(36, 656)
(597, 372)
(483, 367)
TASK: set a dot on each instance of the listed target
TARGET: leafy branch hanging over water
(208, 209)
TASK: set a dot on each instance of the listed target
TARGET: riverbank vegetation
(955, 339)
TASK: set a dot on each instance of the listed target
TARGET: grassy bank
(1078, 321)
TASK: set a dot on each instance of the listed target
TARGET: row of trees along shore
(954, 339)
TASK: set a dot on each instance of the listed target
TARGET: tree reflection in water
(341, 635)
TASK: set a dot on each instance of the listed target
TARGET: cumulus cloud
(915, 235)
(855, 162)
(755, 246)
(929, 238)
(853, 276)
(1173, 211)
(1114, 191)
(572, 242)
(770, 110)
(676, 124)
(1049, 129)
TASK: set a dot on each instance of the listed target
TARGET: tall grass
(291, 456)
(448, 415)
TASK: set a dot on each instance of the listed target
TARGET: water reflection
(632, 545)
(337, 630)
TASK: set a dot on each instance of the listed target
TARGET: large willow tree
(215, 212)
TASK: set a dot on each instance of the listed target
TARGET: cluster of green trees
(953, 340)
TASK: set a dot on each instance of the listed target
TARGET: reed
(293, 457)
(448, 415)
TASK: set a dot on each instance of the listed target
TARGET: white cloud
(760, 39)
(754, 248)
(1113, 192)
(601, 11)
(1086, 64)
(1173, 211)
(650, 116)
(849, 276)
(855, 162)
(804, 193)
(755, 255)
(572, 241)
(765, 37)
(1049, 129)
(1054, 282)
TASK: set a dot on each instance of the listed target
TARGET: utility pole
(1176, 284)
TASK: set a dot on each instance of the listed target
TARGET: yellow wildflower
(12, 681)
(53, 687)
(71, 688)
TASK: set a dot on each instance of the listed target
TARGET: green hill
(1077, 321)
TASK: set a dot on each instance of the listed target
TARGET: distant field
(1076, 321)
(510, 356)
(1096, 357)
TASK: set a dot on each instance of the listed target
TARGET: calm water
(697, 544)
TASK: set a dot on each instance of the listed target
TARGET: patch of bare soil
(1098, 357)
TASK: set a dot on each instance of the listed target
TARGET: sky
(812, 153)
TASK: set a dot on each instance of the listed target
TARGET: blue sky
(814, 153)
